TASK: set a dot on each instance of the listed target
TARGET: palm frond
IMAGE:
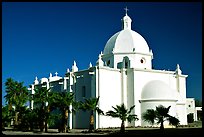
(162, 111)
(131, 108)
(99, 111)
(173, 121)
(122, 113)
(131, 118)
(149, 116)
(112, 113)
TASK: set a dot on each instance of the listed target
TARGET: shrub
(190, 118)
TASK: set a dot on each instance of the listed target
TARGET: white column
(97, 122)
(32, 92)
(70, 118)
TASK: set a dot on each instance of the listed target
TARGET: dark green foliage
(7, 115)
(17, 96)
(40, 98)
(62, 101)
(122, 113)
(198, 103)
(173, 121)
(190, 118)
(91, 105)
(149, 116)
(160, 115)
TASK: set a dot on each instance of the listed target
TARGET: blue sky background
(39, 38)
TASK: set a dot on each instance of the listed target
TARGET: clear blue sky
(45, 37)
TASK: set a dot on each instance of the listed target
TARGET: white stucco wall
(181, 114)
(182, 87)
(110, 95)
(131, 94)
(83, 79)
(142, 77)
(152, 105)
(134, 60)
(190, 107)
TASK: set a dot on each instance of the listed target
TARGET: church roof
(158, 90)
(126, 40)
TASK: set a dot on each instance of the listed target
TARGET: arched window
(83, 91)
(108, 62)
(126, 62)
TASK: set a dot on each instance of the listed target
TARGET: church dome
(158, 90)
(126, 40)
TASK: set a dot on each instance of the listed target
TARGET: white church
(123, 74)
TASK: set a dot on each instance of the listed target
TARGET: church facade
(123, 74)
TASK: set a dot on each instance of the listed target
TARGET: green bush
(190, 118)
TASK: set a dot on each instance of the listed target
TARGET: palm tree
(91, 105)
(40, 99)
(29, 118)
(160, 115)
(6, 116)
(63, 100)
(17, 95)
(10, 94)
(122, 113)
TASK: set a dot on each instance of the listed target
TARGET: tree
(63, 100)
(190, 118)
(198, 103)
(40, 99)
(17, 96)
(7, 116)
(122, 113)
(27, 118)
(91, 105)
(160, 115)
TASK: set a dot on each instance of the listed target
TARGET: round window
(142, 60)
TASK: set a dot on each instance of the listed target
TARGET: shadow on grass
(158, 132)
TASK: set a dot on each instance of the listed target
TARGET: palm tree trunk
(46, 125)
(42, 118)
(162, 125)
(65, 121)
(122, 128)
(10, 106)
(41, 125)
(91, 126)
(46, 118)
(16, 119)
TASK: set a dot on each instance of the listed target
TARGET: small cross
(126, 9)
(56, 73)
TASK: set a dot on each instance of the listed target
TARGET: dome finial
(178, 70)
(126, 9)
(56, 74)
(126, 21)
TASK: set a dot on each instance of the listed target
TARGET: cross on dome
(126, 21)
(126, 9)
(56, 73)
